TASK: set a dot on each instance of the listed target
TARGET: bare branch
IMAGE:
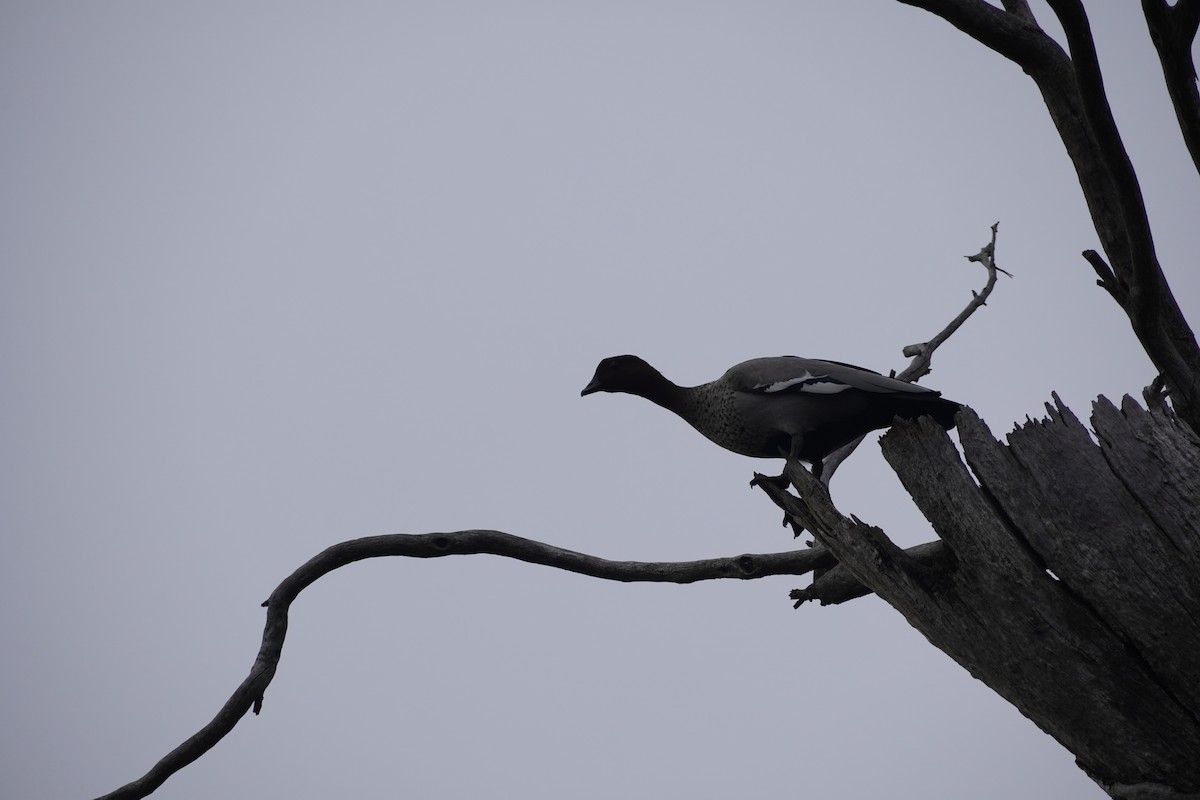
(838, 584)
(1106, 280)
(1149, 302)
(1173, 30)
(919, 367)
(1146, 279)
(865, 550)
(1017, 37)
(249, 694)
(1155, 395)
(1013, 34)
(922, 353)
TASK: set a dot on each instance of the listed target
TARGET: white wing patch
(808, 383)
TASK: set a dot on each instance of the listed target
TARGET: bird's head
(628, 374)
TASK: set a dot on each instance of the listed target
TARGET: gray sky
(276, 275)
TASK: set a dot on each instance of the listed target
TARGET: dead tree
(1065, 579)
(1066, 575)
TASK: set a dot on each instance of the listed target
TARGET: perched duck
(802, 408)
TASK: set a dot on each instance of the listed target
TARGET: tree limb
(1105, 279)
(1173, 30)
(249, 694)
(1013, 34)
(838, 584)
(1147, 281)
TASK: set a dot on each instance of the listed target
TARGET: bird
(780, 407)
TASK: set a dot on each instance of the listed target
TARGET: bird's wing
(812, 376)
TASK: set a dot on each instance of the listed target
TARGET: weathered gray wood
(838, 584)
(1068, 586)
(1158, 461)
(1056, 486)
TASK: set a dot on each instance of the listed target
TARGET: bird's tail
(942, 410)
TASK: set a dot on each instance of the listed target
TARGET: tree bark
(1070, 582)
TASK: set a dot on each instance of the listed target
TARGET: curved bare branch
(249, 694)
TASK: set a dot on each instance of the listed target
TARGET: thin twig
(920, 365)
(922, 354)
(1106, 279)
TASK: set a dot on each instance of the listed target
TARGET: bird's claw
(778, 481)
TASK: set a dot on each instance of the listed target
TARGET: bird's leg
(791, 453)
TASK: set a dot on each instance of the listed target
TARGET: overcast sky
(275, 275)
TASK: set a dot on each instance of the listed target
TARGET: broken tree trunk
(1070, 581)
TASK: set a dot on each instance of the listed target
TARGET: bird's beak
(590, 388)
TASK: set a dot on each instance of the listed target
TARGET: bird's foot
(778, 481)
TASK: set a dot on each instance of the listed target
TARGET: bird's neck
(657, 389)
